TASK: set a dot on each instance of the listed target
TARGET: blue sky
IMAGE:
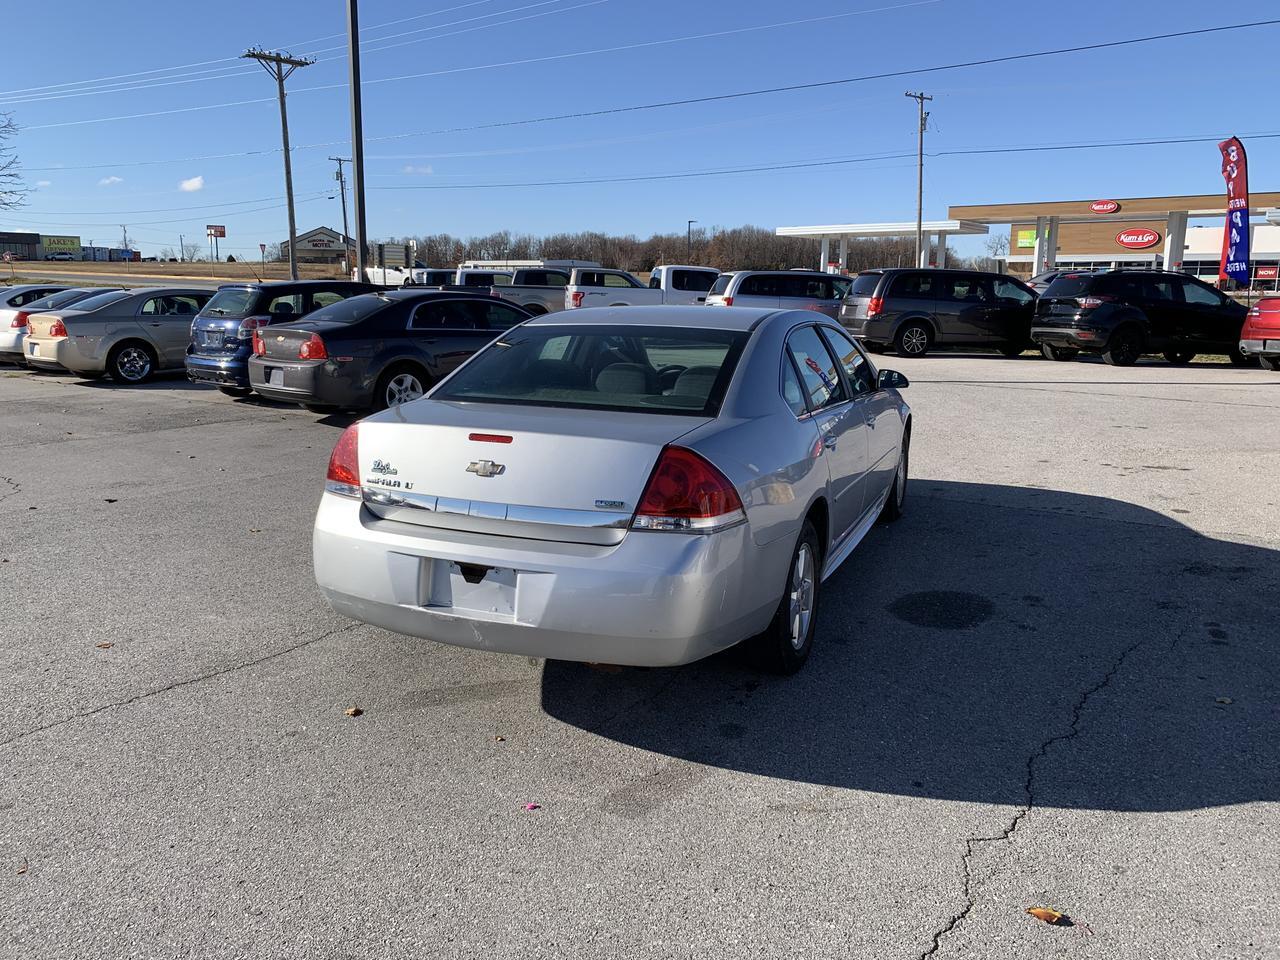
(1172, 88)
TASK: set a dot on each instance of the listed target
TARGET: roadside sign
(8, 257)
(262, 248)
(215, 230)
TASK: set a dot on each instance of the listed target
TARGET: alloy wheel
(915, 340)
(133, 363)
(801, 596)
(402, 388)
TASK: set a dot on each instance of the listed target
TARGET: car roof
(708, 318)
(273, 284)
(783, 273)
(417, 293)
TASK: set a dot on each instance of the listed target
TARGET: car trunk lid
(285, 342)
(541, 473)
(39, 324)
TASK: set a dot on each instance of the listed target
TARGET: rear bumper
(228, 370)
(1267, 347)
(1078, 337)
(48, 355)
(655, 599)
(295, 381)
(11, 344)
(876, 331)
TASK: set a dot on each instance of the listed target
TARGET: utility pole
(124, 245)
(920, 98)
(182, 257)
(357, 133)
(688, 242)
(342, 188)
(280, 66)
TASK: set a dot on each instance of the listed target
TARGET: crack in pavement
(17, 488)
(1028, 787)
(210, 675)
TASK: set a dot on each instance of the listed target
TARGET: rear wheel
(1179, 358)
(1124, 347)
(1063, 354)
(1269, 363)
(131, 363)
(399, 385)
(913, 340)
(892, 508)
(235, 391)
(785, 644)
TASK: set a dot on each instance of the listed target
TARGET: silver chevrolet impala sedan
(639, 486)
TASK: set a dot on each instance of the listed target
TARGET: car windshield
(54, 300)
(100, 300)
(671, 370)
(353, 309)
(230, 303)
(1070, 285)
(721, 285)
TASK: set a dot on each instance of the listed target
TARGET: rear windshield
(100, 300)
(353, 309)
(864, 284)
(670, 370)
(1070, 285)
(721, 285)
(230, 303)
(61, 299)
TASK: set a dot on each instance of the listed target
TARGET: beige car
(129, 334)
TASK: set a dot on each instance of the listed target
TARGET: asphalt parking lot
(1052, 683)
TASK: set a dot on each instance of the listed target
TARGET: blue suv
(222, 333)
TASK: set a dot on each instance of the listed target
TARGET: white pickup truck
(617, 288)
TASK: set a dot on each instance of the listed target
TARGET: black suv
(915, 310)
(1123, 314)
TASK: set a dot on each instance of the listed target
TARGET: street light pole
(357, 134)
(688, 243)
(342, 188)
(920, 98)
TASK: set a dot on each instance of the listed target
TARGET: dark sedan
(376, 350)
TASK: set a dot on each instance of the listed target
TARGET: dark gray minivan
(915, 310)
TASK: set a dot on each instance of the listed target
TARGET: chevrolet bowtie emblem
(485, 468)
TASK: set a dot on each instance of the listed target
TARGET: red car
(1260, 336)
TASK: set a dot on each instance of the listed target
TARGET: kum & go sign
(1138, 239)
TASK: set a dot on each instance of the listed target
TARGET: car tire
(1124, 346)
(1012, 349)
(1269, 363)
(1179, 358)
(131, 363)
(893, 505)
(785, 644)
(234, 391)
(1061, 354)
(400, 384)
(1239, 358)
(914, 339)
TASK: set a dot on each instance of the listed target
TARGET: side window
(324, 298)
(615, 280)
(497, 316)
(862, 378)
(443, 315)
(695, 281)
(760, 285)
(153, 307)
(792, 389)
(821, 380)
(186, 306)
(1008, 290)
(555, 279)
(285, 306)
(655, 282)
(919, 285)
(962, 289)
(1200, 295)
(1158, 289)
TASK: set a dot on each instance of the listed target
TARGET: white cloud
(44, 183)
(110, 181)
(421, 171)
(192, 185)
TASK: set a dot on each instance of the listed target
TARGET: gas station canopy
(844, 232)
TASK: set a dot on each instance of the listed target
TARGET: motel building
(1182, 233)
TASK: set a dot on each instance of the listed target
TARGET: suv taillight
(259, 345)
(313, 349)
(1091, 302)
(686, 494)
(20, 319)
(727, 301)
(343, 477)
(57, 329)
(875, 306)
(250, 324)
(577, 298)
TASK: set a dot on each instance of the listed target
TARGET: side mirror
(892, 379)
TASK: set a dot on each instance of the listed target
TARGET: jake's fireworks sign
(1235, 235)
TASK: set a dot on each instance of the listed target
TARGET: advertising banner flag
(1235, 234)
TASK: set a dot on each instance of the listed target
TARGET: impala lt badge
(485, 468)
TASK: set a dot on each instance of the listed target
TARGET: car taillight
(1089, 303)
(57, 329)
(313, 349)
(343, 477)
(685, 493)
(20, 319)
(250, 324)
(728, 301)
(577, 298)
(1253, 312)
(259, 346)
(874, 306)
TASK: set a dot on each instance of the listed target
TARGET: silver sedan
(641, 486)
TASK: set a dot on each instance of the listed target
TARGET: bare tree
(275, 253)
(11, 193)
(191, 251)
(167, 254)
